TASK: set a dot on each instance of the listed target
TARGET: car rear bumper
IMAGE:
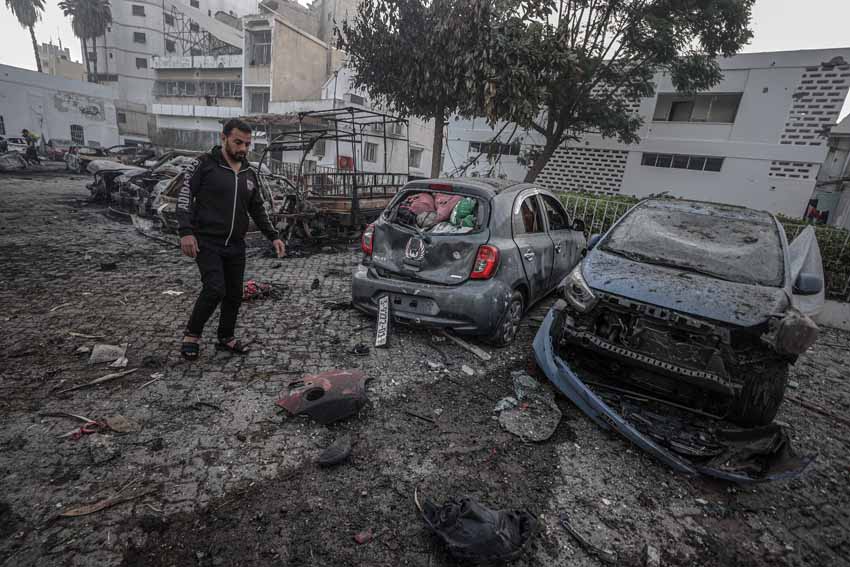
(474, 307)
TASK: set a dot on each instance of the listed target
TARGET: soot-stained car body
(477, 274)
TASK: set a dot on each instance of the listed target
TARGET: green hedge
(599, 212)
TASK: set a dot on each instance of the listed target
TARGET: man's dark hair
(235, 124)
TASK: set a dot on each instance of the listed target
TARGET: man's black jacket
(214, 201)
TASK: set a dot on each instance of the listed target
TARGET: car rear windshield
(731, 244)
(437, 212)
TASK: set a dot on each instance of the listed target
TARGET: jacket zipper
(235, 195)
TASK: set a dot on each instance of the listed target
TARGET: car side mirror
(593, 241)
(808, 284)
(578, 225)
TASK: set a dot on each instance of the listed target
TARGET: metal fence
(599, 214)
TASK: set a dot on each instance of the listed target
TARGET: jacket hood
(683, 291)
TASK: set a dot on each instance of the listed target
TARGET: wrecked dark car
(466, 254)
(698, 306)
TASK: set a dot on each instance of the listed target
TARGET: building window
(121, 117)
(2, 127)
(169, 19)
(398, 129)
(141, 63)
(138, 10)
(261, 48)
(195, 3)
(139, 37)
(169, 45)
(415, 158)
(718, 108)
(194, 26)
(678, 161)
(77, 134)
(319, 148)
(357, 99)
(371, 152)
(259, 102)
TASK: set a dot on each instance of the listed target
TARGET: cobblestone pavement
(219, 476)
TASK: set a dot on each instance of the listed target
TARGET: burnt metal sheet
(731, 448)
(326, 397)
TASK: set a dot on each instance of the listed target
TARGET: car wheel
(760, 396)
(509, 325)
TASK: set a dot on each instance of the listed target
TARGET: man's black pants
(222, 269)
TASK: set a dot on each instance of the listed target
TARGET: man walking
(220, 190)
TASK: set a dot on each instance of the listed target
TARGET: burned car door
(535, 245)
(567, 242)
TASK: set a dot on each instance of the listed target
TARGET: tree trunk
(35, 49)
(437, 152)
(541, 160)
(94, 50)
(86, 58)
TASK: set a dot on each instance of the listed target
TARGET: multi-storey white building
(56, 60)
(756, 139)
(142, 30)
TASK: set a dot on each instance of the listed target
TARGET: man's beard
(235, 154)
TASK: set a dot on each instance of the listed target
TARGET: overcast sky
(779, 25)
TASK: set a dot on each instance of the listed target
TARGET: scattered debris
(121, 424)
(83, 350)
(103, 504)
(422, 417)
(153, 361)
(338, 452)
(339, 305)
(475, 533)
(108, 266)
(505, 404)
(651, 556)
(89, 427)
(438, 338)
(818, 409)
(172, 292)
(477, 351)
(97, 381)
(61, 306)
(157, 376)
(364, 536)
(82, 336)
(601, 554)
(360, 349)
(467, 370)
(107, 353)
(315, 285)
(326, 397)
(120, 363)
(259, 290)
(433, 366)
(535, 415)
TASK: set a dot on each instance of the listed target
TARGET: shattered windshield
(733, 244)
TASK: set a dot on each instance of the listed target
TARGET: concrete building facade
(56, 108)
(192, 95)
(56, 60)
(830, 202)
(756, 139)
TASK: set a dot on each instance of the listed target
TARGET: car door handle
(529, 255)
(558, 248)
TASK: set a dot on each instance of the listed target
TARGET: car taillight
(440, 187)
(486, 263)
(367, 241)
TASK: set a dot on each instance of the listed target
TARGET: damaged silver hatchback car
(692, 302)
(467, 254)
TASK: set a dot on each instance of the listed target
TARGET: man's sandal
(236, 348)
(190, 350)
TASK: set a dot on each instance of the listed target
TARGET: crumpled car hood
(683, 291)
(109, 165)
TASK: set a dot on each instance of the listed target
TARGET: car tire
(760, 396)
(508, 326)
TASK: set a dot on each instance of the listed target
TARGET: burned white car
(696, 305)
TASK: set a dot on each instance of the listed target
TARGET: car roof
(481, 186)
(708, 208)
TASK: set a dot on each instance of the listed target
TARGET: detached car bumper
(785, 463)
(473, 307)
